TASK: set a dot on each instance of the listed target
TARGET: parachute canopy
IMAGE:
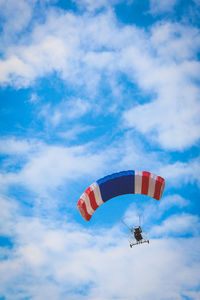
(126, 182)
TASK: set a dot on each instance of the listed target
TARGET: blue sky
(89, 88)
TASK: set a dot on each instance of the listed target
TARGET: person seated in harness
(137, 233)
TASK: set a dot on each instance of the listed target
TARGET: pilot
(137, 233)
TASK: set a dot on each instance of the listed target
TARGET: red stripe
(158, 185)
(82, 209)
(91, 196)
(145, 182)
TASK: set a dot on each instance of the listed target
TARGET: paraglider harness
(135, 236)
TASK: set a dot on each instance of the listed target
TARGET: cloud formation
(84, 95)
(160, 7)
(43, 167)
(85, 49)
(56, 259)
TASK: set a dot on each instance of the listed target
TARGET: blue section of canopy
(117, 184)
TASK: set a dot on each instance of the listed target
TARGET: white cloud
(9, 211)
(95, 264)
(177, 225)
(163, 6)
(179, 173)
(133, 155)
(69, 44)
(75, 108)
(44, 168)
(172, 127)
(132, 215)
(16, 16)
(34, 98)
(52, 166)
(84, 49)
(172, 200)
(14, 146)
(195, 295)
(168, 39)
(151, 211)
(55, 259)
(95, 5)
(75, 131)
(65, 113)
(171, 118)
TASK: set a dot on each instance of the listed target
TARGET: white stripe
(152, 183)
(138, 182)
(162, 189)
(86, 199)
(97, 193)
